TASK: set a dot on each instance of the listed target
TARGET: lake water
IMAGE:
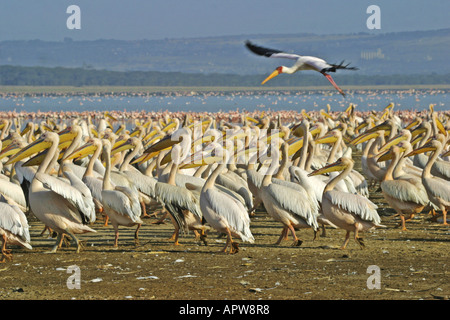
(220, 101)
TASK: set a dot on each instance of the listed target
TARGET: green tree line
(59, 76)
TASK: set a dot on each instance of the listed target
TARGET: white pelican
(144, 184)
(404, 194)
(121, 203)
(293, 208)
(438, 189)
(90, 177)
(351, 212)
(223, 212)
(14, 228)
(301, 63)
(181, 203)
(55, 203)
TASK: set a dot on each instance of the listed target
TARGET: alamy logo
(374, 21)
(374, 280)
(74, 20)
(74, 281)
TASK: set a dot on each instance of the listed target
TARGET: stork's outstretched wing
(270, 53)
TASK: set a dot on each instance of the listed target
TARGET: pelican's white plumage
(223, 212)
(14, 228)
(57, 204)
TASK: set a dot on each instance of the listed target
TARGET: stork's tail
(341, 65)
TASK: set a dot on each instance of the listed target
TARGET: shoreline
(61, 90)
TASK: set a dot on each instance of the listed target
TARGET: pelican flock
(210, 172)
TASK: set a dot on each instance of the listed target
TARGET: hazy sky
(159, 19)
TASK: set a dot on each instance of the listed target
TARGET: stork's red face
(273, 74)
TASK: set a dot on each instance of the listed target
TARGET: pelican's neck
(90, 167)
(312, 152)
(390, 170)
(128, 158)
(212, 178)
(48, 158)
(107, 177)
(267, 180)
(198, 173)
(304, 153)
(334, 149)
(173, 174)
(149, 170)
(366, 149)
(426, 173)
(333, 182)
(283, 165)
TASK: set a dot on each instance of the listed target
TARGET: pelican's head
(331, 137)
(276, 72)
(44, 142)
(432, 145)
(341, 164)
(88, 148)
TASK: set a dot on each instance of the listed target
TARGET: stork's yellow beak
(272, 75)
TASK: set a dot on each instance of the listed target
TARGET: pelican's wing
(13, 192)
(179, 197)
(95, 185)
(438, 187)
(14, 220)
(441, 169)
(143, 183)
(314, 182)
(232, 211)
(355, 204)
(71, 194)
(120, 202)
(405, 191)
(77, 183)
(24, 173)
(133, 196)
(270, 53)
(294, 202)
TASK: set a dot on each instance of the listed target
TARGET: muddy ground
(413, 264)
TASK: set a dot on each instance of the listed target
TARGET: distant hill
(421, 52)
(58, 76)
